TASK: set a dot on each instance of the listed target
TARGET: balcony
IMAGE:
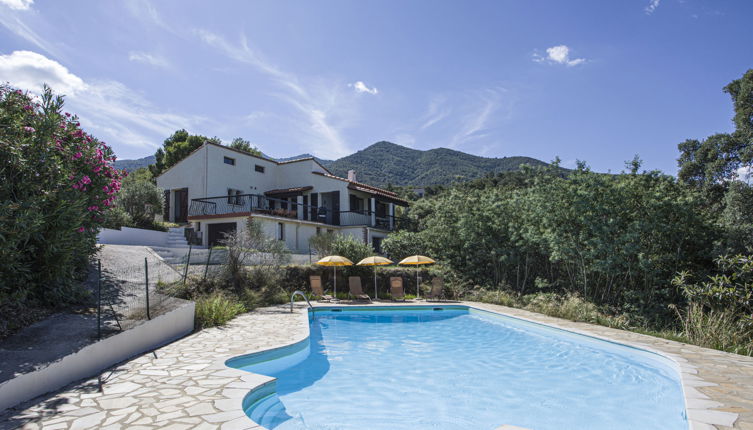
(249, 204)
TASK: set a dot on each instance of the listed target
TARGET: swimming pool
(454, 367)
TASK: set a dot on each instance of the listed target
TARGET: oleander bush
(57, 184)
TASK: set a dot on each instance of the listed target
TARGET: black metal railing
(257, 203)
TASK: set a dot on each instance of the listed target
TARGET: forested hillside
(387, 163)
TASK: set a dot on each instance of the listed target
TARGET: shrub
(141, 199)
(719, 329)
(216, 309)
(56, 185)
(351, 248)
(117, 218)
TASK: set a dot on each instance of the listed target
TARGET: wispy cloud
(319, 104)
(360, 87)
(559, 54)
(437, 111)
(12, 21)
(473, 125)
(651, 7)
(144, 11)
(147, 58)
(17, 4)
(109, 109)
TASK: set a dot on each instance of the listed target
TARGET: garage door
(217, 232)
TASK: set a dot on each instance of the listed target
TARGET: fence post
(188, 261)
(99, 299)
(146, 285)
(206, 267)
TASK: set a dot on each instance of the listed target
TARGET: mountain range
(386, 163)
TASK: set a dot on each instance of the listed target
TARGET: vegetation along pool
(451, 367)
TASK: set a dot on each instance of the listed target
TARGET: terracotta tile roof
(294, 190)
(370, 189)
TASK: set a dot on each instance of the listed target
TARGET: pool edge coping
(703, 416)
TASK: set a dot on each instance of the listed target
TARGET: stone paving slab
(186, 384)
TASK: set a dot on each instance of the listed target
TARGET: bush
(719, 329)
(216, 309)
(351, 248)
(56, 185)
(116, 218)
(141, 199)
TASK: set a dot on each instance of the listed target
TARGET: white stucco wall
(189, 173)
(132, 236)
(98, 356)
(242, 176)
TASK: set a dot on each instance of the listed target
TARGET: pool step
(269, 412)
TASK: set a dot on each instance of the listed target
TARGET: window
(234, 197)
(228, 160)
(356, 203)
(280, 231)
(259, 168)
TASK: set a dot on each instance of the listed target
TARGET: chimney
(352, 175)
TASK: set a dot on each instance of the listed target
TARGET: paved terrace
(186, 384)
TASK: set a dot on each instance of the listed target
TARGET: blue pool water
(460, 369)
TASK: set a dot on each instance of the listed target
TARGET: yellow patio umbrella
(374, 261)
(416, 260)
(334, 261)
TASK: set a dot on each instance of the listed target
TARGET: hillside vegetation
(386, 163)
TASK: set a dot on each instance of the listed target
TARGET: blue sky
(597, 80)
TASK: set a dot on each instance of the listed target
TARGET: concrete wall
(242, 176)
(98, 356)
(132, 236)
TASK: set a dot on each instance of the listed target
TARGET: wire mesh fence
(129, 294)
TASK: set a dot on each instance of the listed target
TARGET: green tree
(141, 199)
(177, 147)
(736, 219)
(244, 145)
(351, 248)
(716, 159)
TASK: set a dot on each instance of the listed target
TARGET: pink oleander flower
(105, 188)
(77, 155)
(27, 108)
(80, 230)
(29, 129)
(67, 114)
(86, 180)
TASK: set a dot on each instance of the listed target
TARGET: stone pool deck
(186, 385)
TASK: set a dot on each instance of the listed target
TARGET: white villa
(217, 188)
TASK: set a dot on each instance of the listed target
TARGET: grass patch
(216, 309)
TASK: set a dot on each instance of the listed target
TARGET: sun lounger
(396, 289)
(356, 291)
(317, 289)
(437, 285)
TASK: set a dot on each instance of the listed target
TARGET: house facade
(216, 189)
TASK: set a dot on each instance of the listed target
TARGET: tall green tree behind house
(244, 145)
(177, 147)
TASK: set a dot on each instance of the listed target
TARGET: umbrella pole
(335, 283)
(376, 290)
(418, 287)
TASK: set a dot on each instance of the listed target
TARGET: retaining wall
(132, 236)
(98, 356)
